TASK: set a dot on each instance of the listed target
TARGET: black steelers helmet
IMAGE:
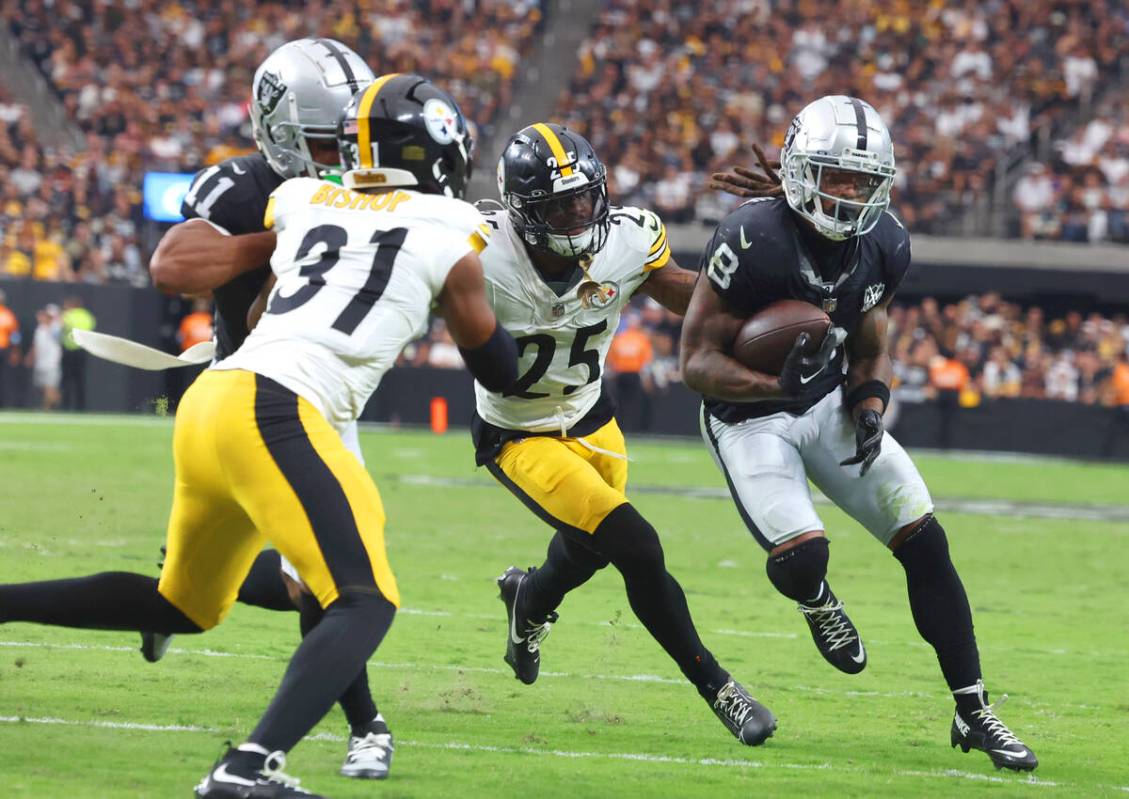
(555, 190)
(402, 130)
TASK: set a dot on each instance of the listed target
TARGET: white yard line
(529, 751)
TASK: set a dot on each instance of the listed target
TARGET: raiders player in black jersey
(317, 77)
(828, 239)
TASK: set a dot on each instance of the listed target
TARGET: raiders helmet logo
(269, 91)
(872, 296)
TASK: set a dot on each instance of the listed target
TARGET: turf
(610, 715)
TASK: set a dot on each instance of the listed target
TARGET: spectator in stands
(629, 355)
(197, 326)
(75, 317)
(1001, 377)
(9, 346)
(46, 355)
(442, 352)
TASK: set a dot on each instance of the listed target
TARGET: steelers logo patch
(441, 120)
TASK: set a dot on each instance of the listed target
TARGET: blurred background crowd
(1012, 110)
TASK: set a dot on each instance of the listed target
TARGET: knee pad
(799, 573)
(629, 541)
(926, 547)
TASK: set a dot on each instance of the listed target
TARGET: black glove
(797, 375)
(868, 440)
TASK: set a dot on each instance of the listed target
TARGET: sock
(330, 657)
(968, 699)
(939, 604)
(264, 586)
(799, 572)
(246, 760)
(568, 565)
(631, 544)
(106, 601)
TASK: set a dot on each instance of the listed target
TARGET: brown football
(765, 340)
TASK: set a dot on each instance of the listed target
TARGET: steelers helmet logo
(442, 121)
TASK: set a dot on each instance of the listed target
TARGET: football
(765, 340)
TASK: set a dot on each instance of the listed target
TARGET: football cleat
(154, 646)
(369, 756)
(524, 636)
(227, 780)
(750, 722)
(835, 635)
(982, 729)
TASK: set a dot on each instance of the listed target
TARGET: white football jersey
(357, 276)
(562, 340)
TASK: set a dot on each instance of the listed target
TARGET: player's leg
(210, 547)
(323, 513)
(893, 503)
(556, 480)
(764, 470)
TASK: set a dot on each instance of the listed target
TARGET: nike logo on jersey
(861, 656)
(235, 168)
(745, 243)
(222, 776)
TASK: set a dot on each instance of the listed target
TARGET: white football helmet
(298, 93)
(841, 133)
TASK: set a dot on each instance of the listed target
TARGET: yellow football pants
(563, 481)
(254, 463)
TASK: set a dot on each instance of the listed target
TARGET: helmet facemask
(851, 205)
(571, 224)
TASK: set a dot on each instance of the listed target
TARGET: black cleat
(835, 635)
(751, 722)
(230, 780)
(524, 636)
(154, 646)
(983, 730)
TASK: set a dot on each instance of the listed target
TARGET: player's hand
(745, 183)
(797, 375)
(868, 440)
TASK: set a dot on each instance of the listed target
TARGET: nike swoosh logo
(513, 622)
(745, 243)
(235, 168)
(1006, 753)
(811, 377)
(221, 775)
(861, 656)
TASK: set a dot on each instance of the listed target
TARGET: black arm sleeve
(494, 362)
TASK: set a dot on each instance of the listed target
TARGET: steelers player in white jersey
(257, 444)
(560, 267)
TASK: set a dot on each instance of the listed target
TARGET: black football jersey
(233, 194)
(762, 252)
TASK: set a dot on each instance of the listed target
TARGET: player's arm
(488, 349)
(196, 256)
(707, 335)
(671, 287)
(259, 306)
(869, 372)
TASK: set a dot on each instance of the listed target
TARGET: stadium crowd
(165, 86)
(671, 90)
(981, 347)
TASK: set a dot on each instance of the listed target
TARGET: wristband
(871, 388)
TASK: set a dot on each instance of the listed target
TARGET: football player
(296, 99)
(829, 240)
(560, 268)
(257, 443)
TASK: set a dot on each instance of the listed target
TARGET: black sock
(264, 586)
(939, 605)
(106, 601)
(568, 565)
(799, 572)
(356, 699)
(631, 544)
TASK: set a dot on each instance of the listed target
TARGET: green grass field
(81, 715)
